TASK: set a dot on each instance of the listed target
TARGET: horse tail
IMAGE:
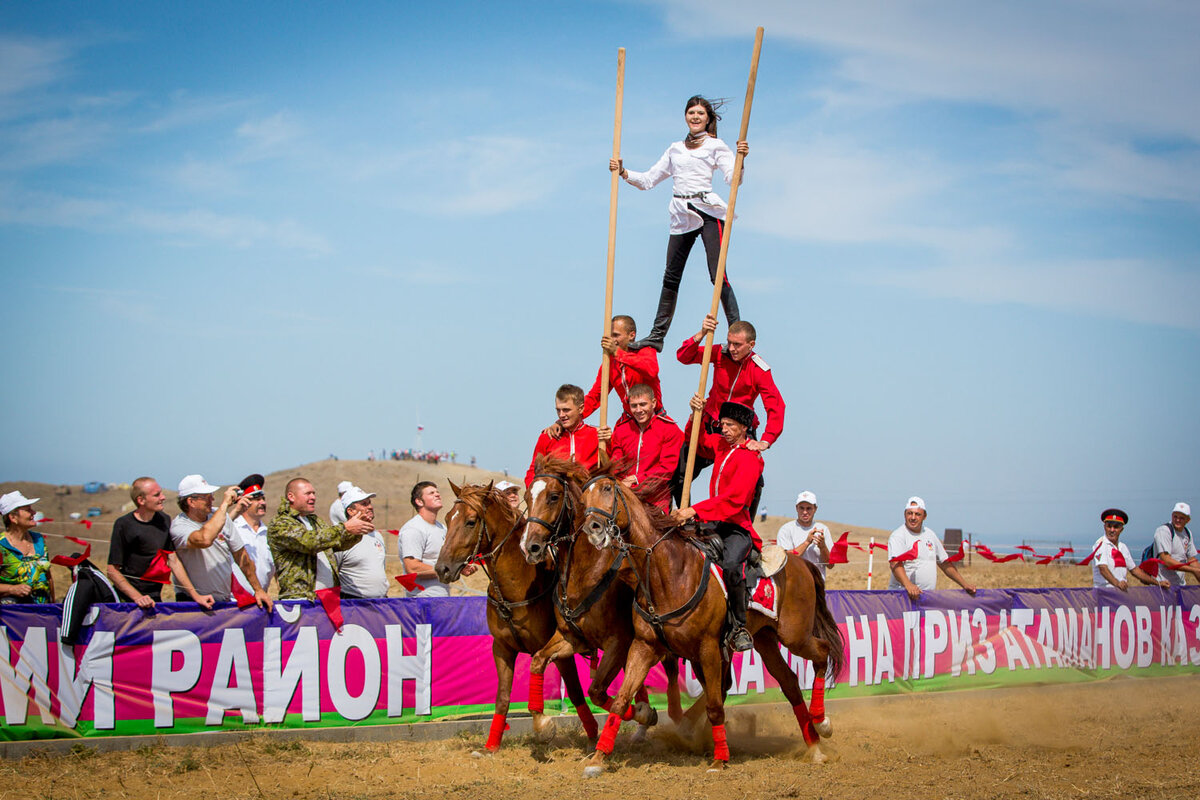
(825, 627)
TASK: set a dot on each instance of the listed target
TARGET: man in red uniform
(739, 376)
(577, 440)
(648, 441)
(737, 472)
(629, 367)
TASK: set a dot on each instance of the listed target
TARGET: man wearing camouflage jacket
(297, 534)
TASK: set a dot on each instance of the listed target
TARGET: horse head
(478, 517)
(607, 510)
(553, 506)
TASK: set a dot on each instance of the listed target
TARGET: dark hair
(569, 391)
(417, 490)
(741, 326)
(713, 116)
(627, 321)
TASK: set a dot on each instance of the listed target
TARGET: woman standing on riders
(696, 210)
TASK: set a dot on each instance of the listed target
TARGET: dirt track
(1106, 739)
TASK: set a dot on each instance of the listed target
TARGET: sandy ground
(1108, 739)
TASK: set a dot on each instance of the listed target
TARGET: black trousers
(90, 586)
(737, 546)
(679, 247)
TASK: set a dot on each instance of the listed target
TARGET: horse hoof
(817, 756)
(824, 728)
(639, 735)
(476, 754)
(544, 728)
(645, 714)
(592, 771)
(717, 766)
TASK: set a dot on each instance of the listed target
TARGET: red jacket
(735, 475)
(739, 381)
(629, 368)
(652, 453)
(580, 443)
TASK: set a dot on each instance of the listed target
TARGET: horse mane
(657, 518)
(569, 468)
(477, 496)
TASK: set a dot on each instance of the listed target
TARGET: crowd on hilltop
(426, 456)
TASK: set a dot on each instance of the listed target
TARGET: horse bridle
(559, 529)
(611, 527)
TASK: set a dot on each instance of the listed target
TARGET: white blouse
(692, 171)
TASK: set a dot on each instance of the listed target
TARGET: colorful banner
(182, 670)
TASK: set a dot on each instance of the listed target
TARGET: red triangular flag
(858, 547)
(1150, 567)
(983, 549)
(85, 522)
(988, 554)
(159, 570)
(70, 561)
(1009, 557)
(1025, 547)
(837, 553)
(1045, 560)
(47, 519)
(244, 599)
(409, 581)
(1118, 558)
(394, 532)
(878, 546)
(331, 601)
(907, 555)
(1091, 555)
(957, 556)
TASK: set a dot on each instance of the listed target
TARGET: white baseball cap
(1182, 508)
(914, 501)
(354, 495)
(344, 487)
(504, 486)
(14, 500)
(806, 497)
(195, 484)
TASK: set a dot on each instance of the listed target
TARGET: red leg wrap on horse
(607, 704)
(608, 736)
(628, 715)
(802, 715)
(536, 704)
(810, 733)
(497, 732)
(720, 748)
(642, 696)
(817, 708)
(587, 720)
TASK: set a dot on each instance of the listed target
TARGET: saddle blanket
(763, 597)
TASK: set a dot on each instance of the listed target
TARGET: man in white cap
(511, 491)
(207, 543)
(808, 539)
(1173, 546)
(360, 569)
(915, 554)
(337, 511)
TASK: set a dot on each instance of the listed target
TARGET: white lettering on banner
(349, 706)
(95, 673)
(961, 642)
(884, 662)
(1067, 623)
(164, 679)
(1013, 652)
(233, 667)
(30, 671)
(751, 672)
(417, 668)
(1145, 636)
(985, 652)
(1021, 619)
(937, 638)
(279, 682)
(1171, 647)
(1194, 618)
(1102, 639)
(912, 645)
(802, 667)
(1124, 637)
(1045, 638)
(858, 647)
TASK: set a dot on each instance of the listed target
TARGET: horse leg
(570, 675)
(674, 707)
(766, 642)
(637, 664)
(713, 677)
(562, 653)
(817, 651)
(602, 676)
(505, 658)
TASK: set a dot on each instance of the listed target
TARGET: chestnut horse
(594, 610)
(681, 608)
(481, 527)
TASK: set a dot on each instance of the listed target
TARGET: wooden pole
(606, 364)
(706, 361)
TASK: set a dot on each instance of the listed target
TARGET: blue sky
(238, 237)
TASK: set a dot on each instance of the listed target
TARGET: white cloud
(268, 136)
(27, 63)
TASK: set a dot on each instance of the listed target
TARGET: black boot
(662, 321)
(739, 638)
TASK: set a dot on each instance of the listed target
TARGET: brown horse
(594, 610)
(482, 528)
(681, 608)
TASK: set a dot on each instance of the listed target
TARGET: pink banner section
(183, 670)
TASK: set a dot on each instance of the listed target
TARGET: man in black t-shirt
(137, 539)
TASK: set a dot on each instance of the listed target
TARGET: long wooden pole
(706, 360)
(606, 364)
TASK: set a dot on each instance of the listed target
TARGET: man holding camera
(207, 543)
(253, 531)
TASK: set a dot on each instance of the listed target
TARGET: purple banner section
(181, 669)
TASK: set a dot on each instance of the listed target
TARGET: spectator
(915, 554)
(808, 539)
(421, 540)
(1173, 546)
(326, 576)
(739, 376)
(337, 512)
(576, 439)
(208, 545)
(24, 569)
(361, 567)
(511, 491)
(648, 441)
(1112, 562)
(297, 534)
(250, 527)
(142, 552)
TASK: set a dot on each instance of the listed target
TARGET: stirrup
(739, 640)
